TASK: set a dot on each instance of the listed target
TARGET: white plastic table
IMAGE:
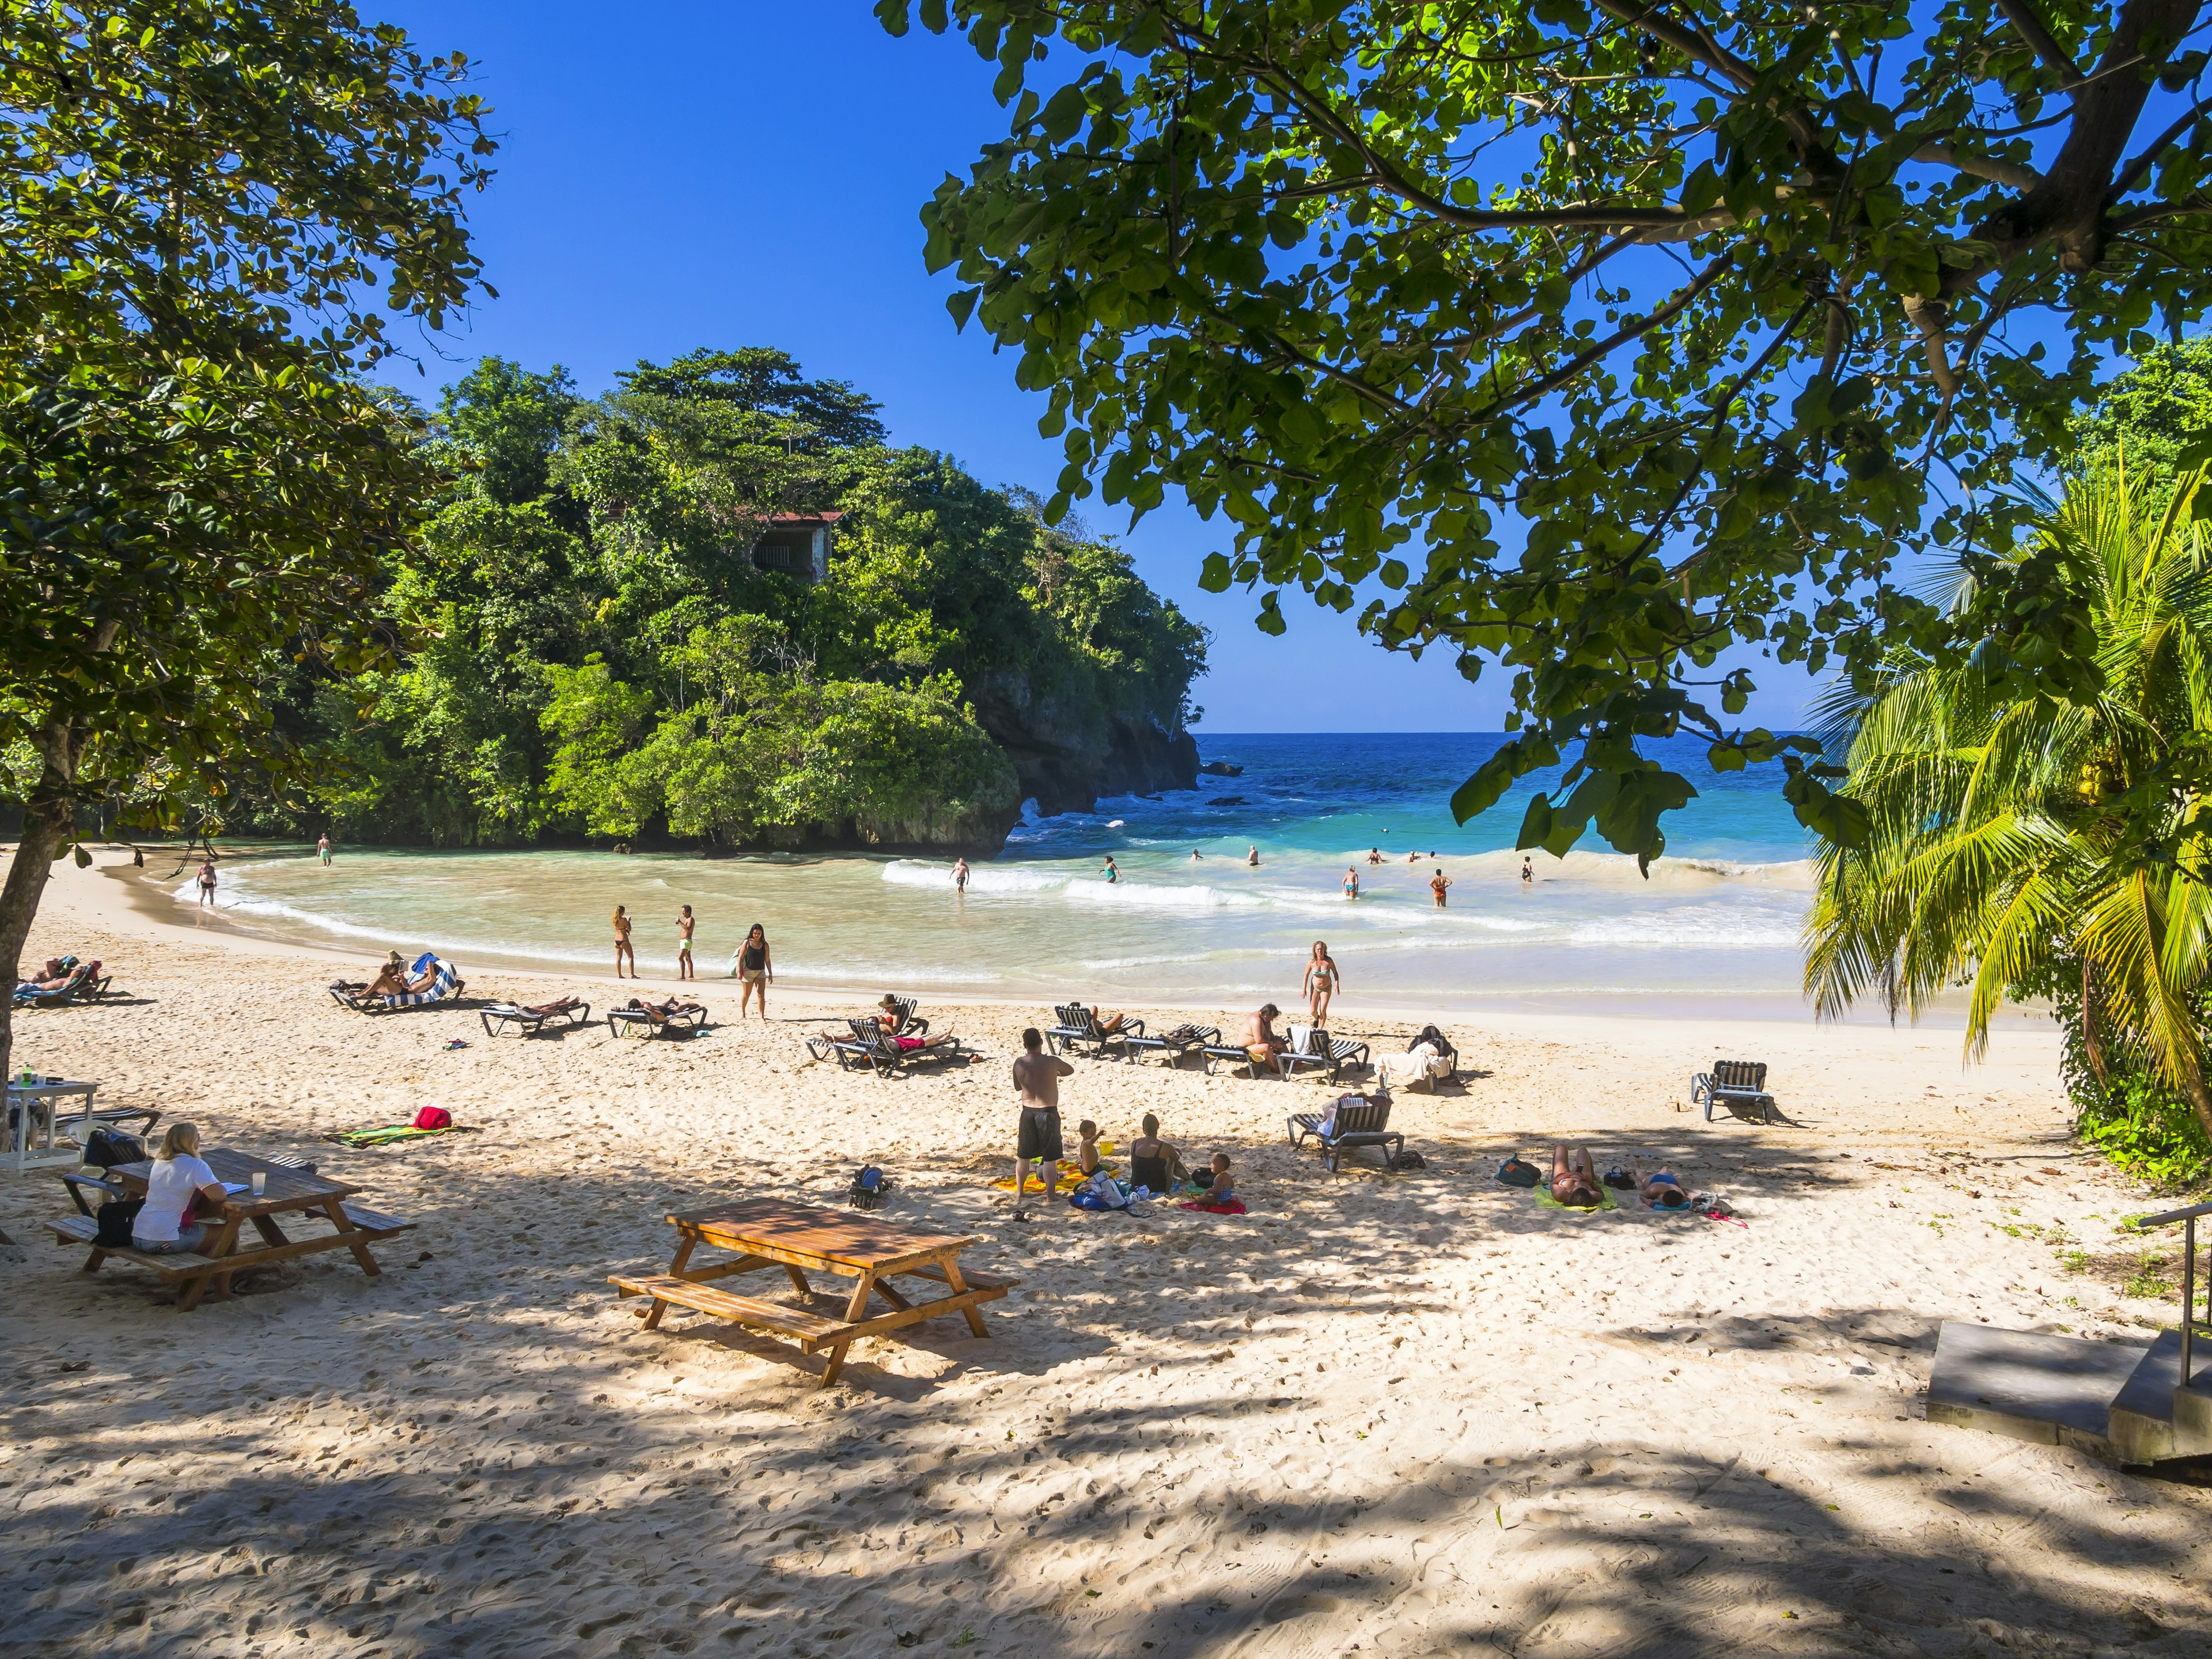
(33, 1110)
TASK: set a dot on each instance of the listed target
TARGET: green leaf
(1213, 575)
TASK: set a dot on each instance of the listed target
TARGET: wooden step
(810, 1328)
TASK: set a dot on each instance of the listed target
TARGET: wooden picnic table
(803, 1238)
(288, 1191)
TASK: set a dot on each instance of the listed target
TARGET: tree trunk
(2091, 1039)
(2192, 1082)
(47, 819)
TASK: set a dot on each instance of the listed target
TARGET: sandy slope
(1401, 1415)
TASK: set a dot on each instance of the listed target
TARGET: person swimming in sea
(1375, 855)
(1252, 857)
(1196, 855)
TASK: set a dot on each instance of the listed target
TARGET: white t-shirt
(169, 1189)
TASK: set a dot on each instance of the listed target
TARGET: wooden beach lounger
(1364, 1125)
(560, 1016)
(1738, 1085)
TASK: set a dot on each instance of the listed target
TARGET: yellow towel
(1070, 1171)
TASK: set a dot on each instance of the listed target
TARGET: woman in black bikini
(755, 967)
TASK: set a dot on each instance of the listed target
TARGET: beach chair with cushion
(638, 1020)
(445, 982)
(531, 1022)
(85, 983)
(1312, 1049)
(1738, 1085)
(1079, 1033)
(1173, 1044)
(1365, 1124)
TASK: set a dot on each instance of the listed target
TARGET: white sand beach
(1402, 1414)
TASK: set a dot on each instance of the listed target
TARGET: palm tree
(2016, 842)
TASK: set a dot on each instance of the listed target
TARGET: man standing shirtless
(1037, 1081)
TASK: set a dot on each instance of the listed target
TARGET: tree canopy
(207, 209)
(1604, 335)
(598, 653)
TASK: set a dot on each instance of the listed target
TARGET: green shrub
(2148, 1130)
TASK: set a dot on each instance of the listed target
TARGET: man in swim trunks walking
(960, 875)
(686, 924)
(1037, 1081)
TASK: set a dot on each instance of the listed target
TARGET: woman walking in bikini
(1322, 980)
(755, 967)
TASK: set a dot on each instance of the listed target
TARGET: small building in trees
(796, 544)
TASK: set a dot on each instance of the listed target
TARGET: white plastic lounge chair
(1738, 1085)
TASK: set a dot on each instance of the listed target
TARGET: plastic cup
(260, 1183)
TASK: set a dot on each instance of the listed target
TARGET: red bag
(434, 1117)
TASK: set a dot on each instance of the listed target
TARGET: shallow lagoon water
(1715, 925)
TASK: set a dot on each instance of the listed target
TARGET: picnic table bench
(288, 1191)
(803, 1238)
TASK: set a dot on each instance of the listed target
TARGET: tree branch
(2041, 41)
(2017, 174)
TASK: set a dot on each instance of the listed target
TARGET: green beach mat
(1605, 1193)
(360, 1140)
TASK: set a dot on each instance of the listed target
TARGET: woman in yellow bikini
(1322, 981)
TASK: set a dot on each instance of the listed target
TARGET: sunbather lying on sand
(1574, 1182)
(1660, 1189)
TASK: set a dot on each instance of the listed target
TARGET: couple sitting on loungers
(893, 1019)
(57, 974)
(1575, 1183)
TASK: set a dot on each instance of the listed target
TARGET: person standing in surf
(755, 966)
(207, 881)
(1528, 873)
(1111, 874)
(1252, 857)
(686, 925)
(1351, 881)
(960, 877)
(623, 952)
(1437, 882)
(323, 849)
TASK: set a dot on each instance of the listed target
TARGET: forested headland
(714, 608)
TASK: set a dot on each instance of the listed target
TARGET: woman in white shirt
(179, 1176)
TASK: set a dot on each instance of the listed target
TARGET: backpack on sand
(1517, 1171)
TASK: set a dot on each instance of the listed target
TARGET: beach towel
(1071, 1172)
(1605, 1201)
(1234, 1207)
(361, 1139)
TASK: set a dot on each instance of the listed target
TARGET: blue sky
(680, 175)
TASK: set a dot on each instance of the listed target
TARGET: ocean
(1715, 928)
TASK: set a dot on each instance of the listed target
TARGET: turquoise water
(1716, 926)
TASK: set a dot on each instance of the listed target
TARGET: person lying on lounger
(890, 1019)
(1662, 1189)
(1574, 1181)
(554, 1010)
(1106, 1024)
(658, 1012)
(54, 974)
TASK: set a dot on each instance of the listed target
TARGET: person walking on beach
(753, 964)
(960, 876)
(207, 881)
(1322, 980)
(1437, 882)
(623, 952)
(1111, 874)
(686, 925)
(1351, 881)
(1037, 1083)
(323, 847)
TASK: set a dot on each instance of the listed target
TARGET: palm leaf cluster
(2025, 846)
